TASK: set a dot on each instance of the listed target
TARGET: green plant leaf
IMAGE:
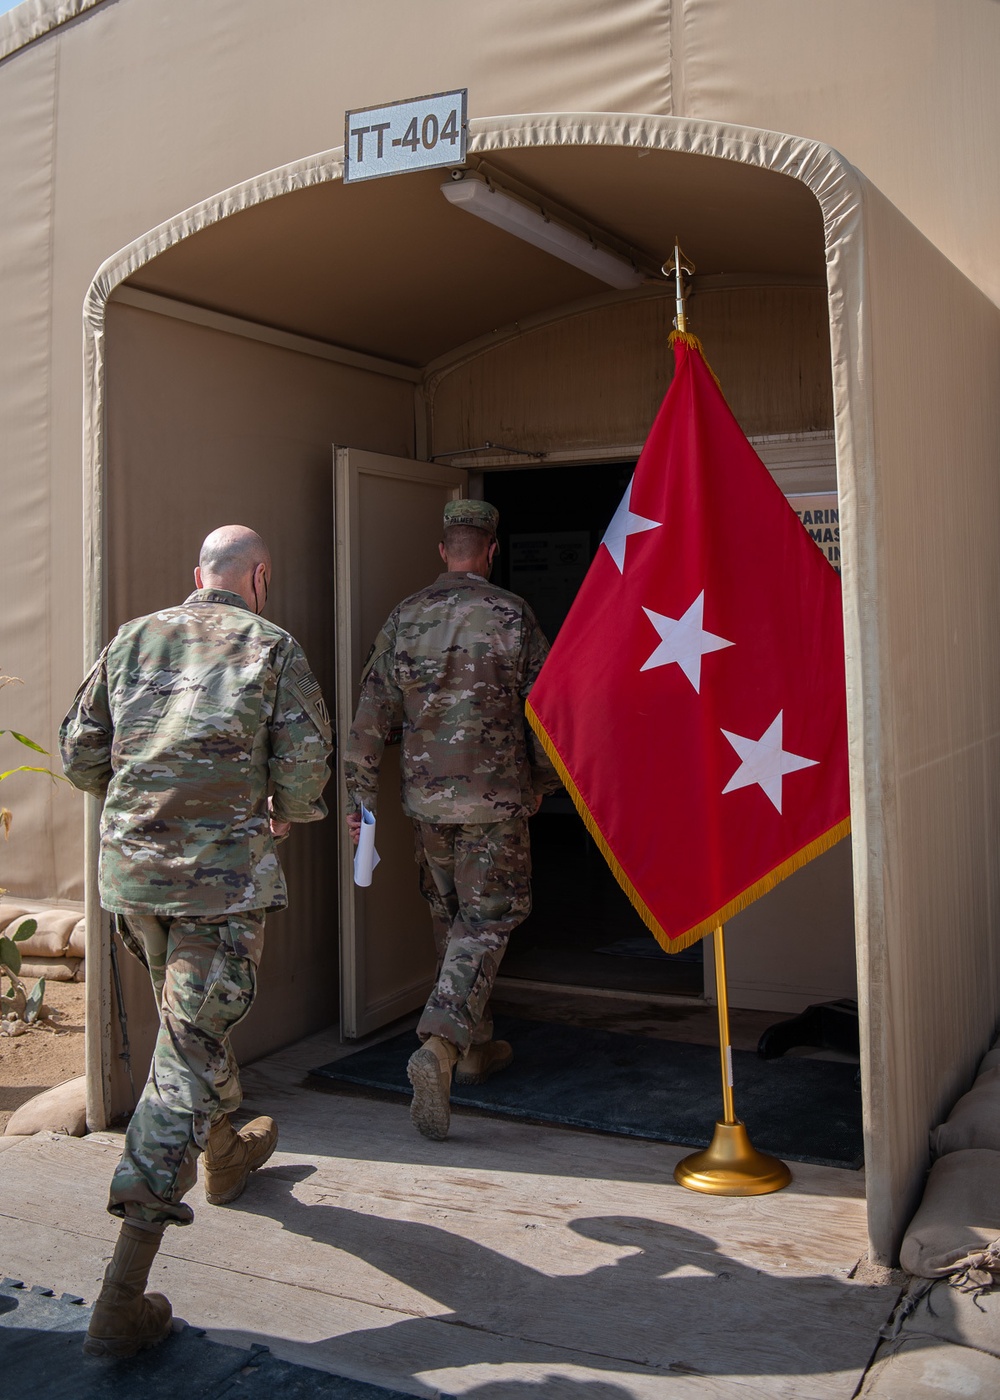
(27, 768)
(34, 1003)
(23, 739)
(26, 929)
(10, 954)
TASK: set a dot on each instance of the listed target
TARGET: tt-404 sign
(412, 135)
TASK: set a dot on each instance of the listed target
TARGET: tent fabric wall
(930, 604)
(34, 18)
(36, 578)
(906, 91)
(589, 381)
(889, 85)
(206, 428)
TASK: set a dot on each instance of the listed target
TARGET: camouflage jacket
(191, 718)
(452, 668)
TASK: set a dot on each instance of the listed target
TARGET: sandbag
(9, 911)
(53, 969)
(917, 1369)
(958, 1216)
(51, 938)
(77, 945)
(975, 1119)
(59, 1110)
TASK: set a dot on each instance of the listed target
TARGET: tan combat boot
(480, 1061)
(429, 1071)
(125, 1318)
(231, 1156)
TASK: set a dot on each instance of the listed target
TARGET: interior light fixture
(487, 201)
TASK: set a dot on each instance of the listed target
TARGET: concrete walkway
(511, 1261)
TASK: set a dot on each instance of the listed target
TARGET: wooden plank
(762, 1228)
(471, 1263)
(380, 1158)
(422, 1356)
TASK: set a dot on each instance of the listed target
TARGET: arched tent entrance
(301, 312)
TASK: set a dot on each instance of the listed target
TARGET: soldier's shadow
(674, 1303)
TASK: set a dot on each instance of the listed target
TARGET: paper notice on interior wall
(820, 515)
(365, 857)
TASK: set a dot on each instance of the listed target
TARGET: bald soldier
(203, 731)
(452, 668)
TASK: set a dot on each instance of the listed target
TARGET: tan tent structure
(240, 334)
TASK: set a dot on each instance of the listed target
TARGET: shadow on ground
(675, 1305)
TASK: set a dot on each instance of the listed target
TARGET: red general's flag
(694, 698)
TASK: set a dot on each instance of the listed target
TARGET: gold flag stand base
(730, 1165)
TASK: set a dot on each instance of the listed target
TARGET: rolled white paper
(365, 857)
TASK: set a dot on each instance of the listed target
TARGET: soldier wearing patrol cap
(452, 668)
(203, 730)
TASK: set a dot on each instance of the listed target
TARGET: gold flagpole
(730, 1165)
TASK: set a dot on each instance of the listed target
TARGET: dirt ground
(43, 1058)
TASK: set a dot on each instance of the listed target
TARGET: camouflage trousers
(205, 984)
(477, 880)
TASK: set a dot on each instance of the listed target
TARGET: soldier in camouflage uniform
(452, 667)
(204, 731)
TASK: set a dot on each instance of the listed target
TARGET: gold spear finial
(681, 264)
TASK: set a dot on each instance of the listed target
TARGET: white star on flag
(683, 640)
(764, 761)
(624, 523)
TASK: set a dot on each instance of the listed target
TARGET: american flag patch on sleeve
(308, 687)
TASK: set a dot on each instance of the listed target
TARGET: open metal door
(387, 522)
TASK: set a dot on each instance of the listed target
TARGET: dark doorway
(583, 930)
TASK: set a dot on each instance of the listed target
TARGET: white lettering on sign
(418, 134)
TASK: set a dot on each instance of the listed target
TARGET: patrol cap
(478, 513)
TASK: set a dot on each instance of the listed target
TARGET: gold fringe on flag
(721, 916)
(693, 343)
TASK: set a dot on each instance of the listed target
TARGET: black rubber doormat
(41, 1357)
(802, 1110)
